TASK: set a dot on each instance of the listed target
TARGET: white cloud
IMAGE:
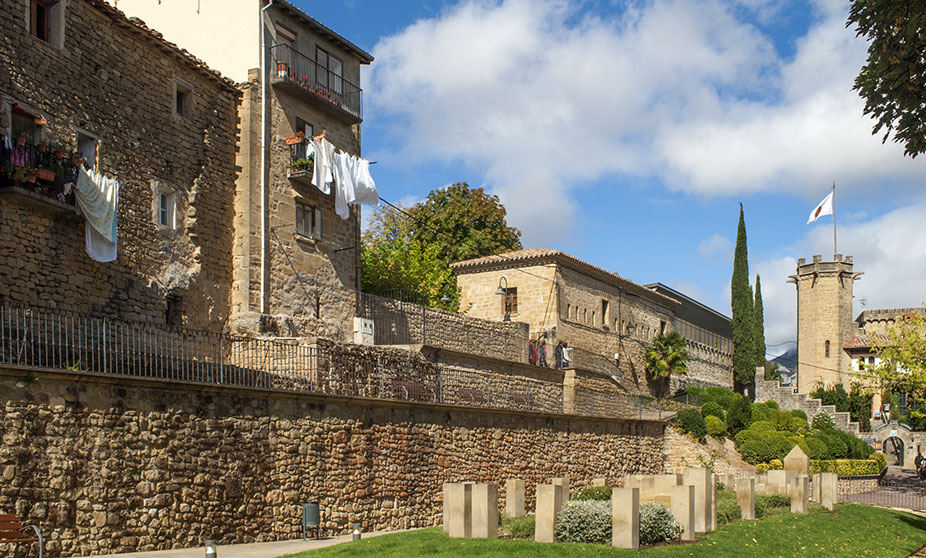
(716, 246)
(888, 250)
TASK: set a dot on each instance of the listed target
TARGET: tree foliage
(893, 80)
(412, 251)
(744, 338)
(759, 315)
(667, 356)
(903, 359)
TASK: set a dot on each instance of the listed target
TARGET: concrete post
(514, 498)
(625, 518)
(460, 510)
(599, 482)
(700, 478)
(799, 493)
(485, 511)
(446, 508)
(683, 508)
(746, 497)
(662, 488)
(569, 391)
(563, 484)
(829, 490)
(713, 517)
(549, 502)
(815, 483)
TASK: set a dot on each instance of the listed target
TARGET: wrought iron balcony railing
(296, 69)
(38, 169)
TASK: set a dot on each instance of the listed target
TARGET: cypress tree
(760, 324)
(744, 337)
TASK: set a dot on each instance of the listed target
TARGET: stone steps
(788, 400)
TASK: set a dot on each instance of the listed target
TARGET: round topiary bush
(587, 521)
(822, 421)
(772, 404)
(816, 448)
(715, 426)
(761, 446)
(711, 409)
(657, 524)
(691, 422)
(762, 426)
(800, 413)
(782, 420)
(739, 415)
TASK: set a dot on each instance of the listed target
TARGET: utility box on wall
(363, 331)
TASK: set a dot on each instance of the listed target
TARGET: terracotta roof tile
(864, 340)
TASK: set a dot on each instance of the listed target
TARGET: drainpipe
(263, 159)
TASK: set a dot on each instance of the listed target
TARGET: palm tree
(667, 356)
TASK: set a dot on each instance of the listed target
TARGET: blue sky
(627, 133)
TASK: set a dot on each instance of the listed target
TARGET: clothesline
(350, 175)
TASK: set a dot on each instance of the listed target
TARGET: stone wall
(106, 467)
(707, 367)
(789, 401)
(114, 80)
(858, 484)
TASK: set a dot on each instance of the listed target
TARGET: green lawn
(852, 530)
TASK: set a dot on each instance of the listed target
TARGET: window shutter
(317, 232)
(300, 219)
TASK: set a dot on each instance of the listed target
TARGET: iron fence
(891, 494)
(320, 80)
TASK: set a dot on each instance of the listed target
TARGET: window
(329, 70)
(183, 99)
(46, 21)
(302, 126)
(511, 300)
(87, 146)
(568, 310)
(826, 349)
(308, 221)
(167, 209)
(173, 312)
(604, 312)
(662, 326)
(861, 363)
(871, 361)
(22, 123)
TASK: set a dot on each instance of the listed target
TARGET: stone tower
(824, 321)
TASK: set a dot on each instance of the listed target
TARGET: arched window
(826, 349)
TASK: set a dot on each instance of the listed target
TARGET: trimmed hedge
(710, 409)
(691, 422)
(739, 415)
(801, 414)
(593, 493)
(728, 510)
(765, 503)
(842, 467)
(715, 426)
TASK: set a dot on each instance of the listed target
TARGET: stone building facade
(296, 263)
(824, 321)
(608, 320)
(82, 77)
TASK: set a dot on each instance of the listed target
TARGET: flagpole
(834, 220)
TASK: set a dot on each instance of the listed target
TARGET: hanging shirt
(344, 183)
(364, 187)
(322, 174)
(98, 200)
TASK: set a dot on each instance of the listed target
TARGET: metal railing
(42, 171)
(297, 68)
(891, 494)
(300, 161)
(63, 340)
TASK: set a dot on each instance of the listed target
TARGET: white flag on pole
(825, 207)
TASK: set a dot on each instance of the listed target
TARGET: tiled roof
(528, 256)
(863, 340)
(120, 19)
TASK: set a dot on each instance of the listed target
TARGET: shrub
(776, 465)
(766, 503)
(519, 527)
(799, 425)
(586, 521)
(715, 426)
(739, 415)
(656, 524)
(816, 448)
(711, 409)
(761, 412)
(762, 468)
(593, 493)
(761, 447)
(691, 422)
(721, 396)
(822, 421)
(846, 467)
(728, 510)
(762, 426)
(772, 404)
(836, 446)
(881, 459)
(799, 413)
(783, 420)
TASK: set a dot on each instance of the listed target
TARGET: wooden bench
(12, 530)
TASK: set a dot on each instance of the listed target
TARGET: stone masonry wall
(115, 81)
(107, 467)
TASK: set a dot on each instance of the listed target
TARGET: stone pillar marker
(829, 490)
(563, 484)
(799, 493)
(700, 478)
(549, 502)
(514, 498)
(683, 508)
(746, 497)
(779, 481)
(713, 517)
(815, 483)
(599, 482)
(625, 518)
(446, 508)
(662, 488)
(459, 506)
(797, 461)
(485, 511)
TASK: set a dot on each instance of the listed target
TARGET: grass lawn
(852, 530)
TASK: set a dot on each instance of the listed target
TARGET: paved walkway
(250, 550)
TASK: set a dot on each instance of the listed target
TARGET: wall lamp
(504, 292)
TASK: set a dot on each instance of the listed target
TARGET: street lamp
(504, 292)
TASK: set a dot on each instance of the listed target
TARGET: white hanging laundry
(364, 187)
(322, 175)
(344, 184)
(98, 200)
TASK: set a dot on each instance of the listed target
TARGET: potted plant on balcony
(282, 68)
(21, 140)
(302, 164)
(42, 147)
(298, 138)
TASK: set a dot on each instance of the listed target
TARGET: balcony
(301, 165)
(291, 70)
(36, 174)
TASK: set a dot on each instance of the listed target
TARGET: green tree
(772, 370)
(667, 356)
(465, 222)
(893, 80)
(903, 359)
(744, 338)
(759, 314)
(391, 259)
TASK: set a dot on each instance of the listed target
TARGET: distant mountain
(787, 361)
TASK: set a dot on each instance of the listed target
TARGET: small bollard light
(210, 548)
(356, 534)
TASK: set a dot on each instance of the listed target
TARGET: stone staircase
(788, 400)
